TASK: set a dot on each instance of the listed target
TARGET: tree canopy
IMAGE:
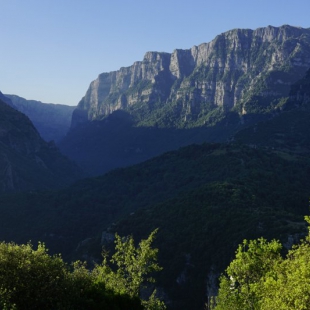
(32, 279)
(259, 278)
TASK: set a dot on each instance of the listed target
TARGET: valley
(208, 145)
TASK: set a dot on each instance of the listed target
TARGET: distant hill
(27, 162)
(7, 100)
(51, 120)
(203, 94)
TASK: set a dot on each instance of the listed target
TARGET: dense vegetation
(200, 229)
(32, 279)
(260, 278)
(204, 198)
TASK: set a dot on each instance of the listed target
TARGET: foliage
(133, 268)
(32, 279)
(204, 198)
(289, 287)
(258, 278)
(241, 288)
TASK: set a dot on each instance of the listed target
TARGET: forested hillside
(203, 198)
(51, 120)
(27, 162)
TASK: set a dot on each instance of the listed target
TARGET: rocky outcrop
(204, 94)
(51, 120)
(27, 162)
(242, 69)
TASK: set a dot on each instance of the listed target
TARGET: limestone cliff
(242, 69)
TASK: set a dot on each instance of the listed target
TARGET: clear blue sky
(52, 49)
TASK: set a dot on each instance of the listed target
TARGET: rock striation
(242, 69)
(204, 94)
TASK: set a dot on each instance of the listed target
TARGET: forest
(32, 279)
(261, 276)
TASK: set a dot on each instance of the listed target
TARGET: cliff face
(51, 120)
(27, 162)
(245, 70)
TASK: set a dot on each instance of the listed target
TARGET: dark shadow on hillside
(100, 146)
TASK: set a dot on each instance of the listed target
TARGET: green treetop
(259, 278)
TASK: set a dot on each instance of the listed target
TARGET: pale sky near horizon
(52, 49)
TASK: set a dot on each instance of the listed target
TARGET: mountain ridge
(51, 120)
(204, 94)
(214, 74)
(27, 161)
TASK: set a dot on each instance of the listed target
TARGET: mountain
(51, 120)
(205, 199)
(287, 132)
(7, 100)
(27, 161)
(247, 88)
(246, 69)
(206, 93)
(100, 146)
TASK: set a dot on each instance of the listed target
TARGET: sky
(50, 50)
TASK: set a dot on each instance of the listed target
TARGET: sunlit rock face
(241, 69)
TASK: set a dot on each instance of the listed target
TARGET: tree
(289, 287)
(259, 278)
(133, 268)
(241, 287)
(86, 292)
(30, 279)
